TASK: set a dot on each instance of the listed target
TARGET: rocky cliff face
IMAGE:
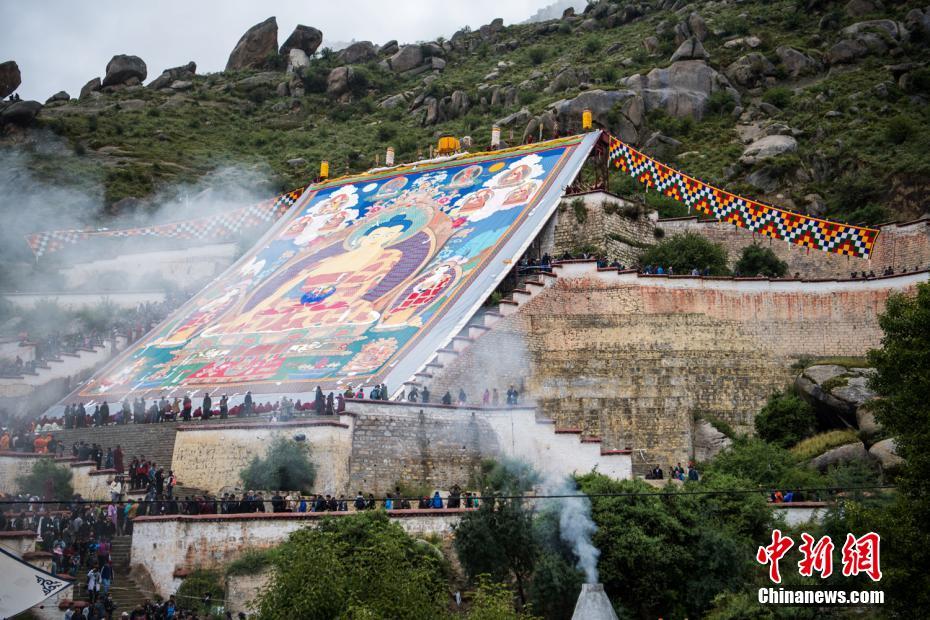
(815, 106)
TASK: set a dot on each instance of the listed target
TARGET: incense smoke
(576, 527)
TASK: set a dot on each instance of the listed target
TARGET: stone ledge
(611, 452)
(37, 555)
(22, 455)
(246, 425)
(299, 516)
(396, 403)
(568, 431)
(102, 472)
(83, 463)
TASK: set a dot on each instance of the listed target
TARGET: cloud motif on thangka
(519, 171)
(331, 214)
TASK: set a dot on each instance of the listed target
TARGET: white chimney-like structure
(593, 604)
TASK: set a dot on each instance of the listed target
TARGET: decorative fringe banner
(220, 226)
(771, 221)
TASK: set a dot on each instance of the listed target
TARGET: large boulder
(708, 441)
(255, 47)
(797, 63)
(690, 49)
(821, 373)
(337, 83)
(92, 86)
(851, 452)
(856, 392)
(626, 124)
(887, 26)
(297, 61)
(304, 38)
(681, 89)
(60, 96)
(406, 58)
(358, 52)
(886, 453)
(697, 26)
(866, 423)
(389, 48)
(768, 147)
(20, 113)
(861, 8)
(567, 78)
(750, 70)
(846, 51)
(169, 76)
(459, 104)
(10, 78)
(123, 68)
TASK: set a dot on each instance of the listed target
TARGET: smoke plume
(576, 527)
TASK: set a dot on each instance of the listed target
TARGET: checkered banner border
(765, 219)
(218, 227)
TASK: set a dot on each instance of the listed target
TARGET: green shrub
(580, 210)
(251, 562)
(47, 479)
(899, 129)
(785, 420)
(869, 215)
(286, 467)
(592, 45)
(759, 260)
(315, 78)
(721, 102)
(536, 54)
(685, 252)
(779, 96)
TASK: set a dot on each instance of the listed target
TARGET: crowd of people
(676, 472)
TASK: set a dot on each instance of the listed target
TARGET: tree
(902, 381)
(686, 252)
(47, 479)
(785, 420)
(493, 601)
(285, 467)
(757, 260)
(357, 566)
(497, 540)
(671, 556)
(762, 465)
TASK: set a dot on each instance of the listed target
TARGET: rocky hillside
(816, 105)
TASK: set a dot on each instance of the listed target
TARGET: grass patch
(807, 449)
(834, 382)
(847, 361)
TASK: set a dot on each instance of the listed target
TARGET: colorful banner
(770, 221)
(359, 284)
(218, 227)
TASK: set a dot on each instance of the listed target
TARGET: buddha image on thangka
(346, 282)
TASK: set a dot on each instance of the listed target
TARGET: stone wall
(211, 456)
(161, 545)
(607, 222)
(431, 447)
(899, 246)
(435, 447)
(630, 359)
(12, 466)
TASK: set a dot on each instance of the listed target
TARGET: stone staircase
(125, 591)
(155, 441)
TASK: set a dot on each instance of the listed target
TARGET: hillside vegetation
(836, 92)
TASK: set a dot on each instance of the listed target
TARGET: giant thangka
(362, 281)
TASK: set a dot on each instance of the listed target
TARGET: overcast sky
(61, 44)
